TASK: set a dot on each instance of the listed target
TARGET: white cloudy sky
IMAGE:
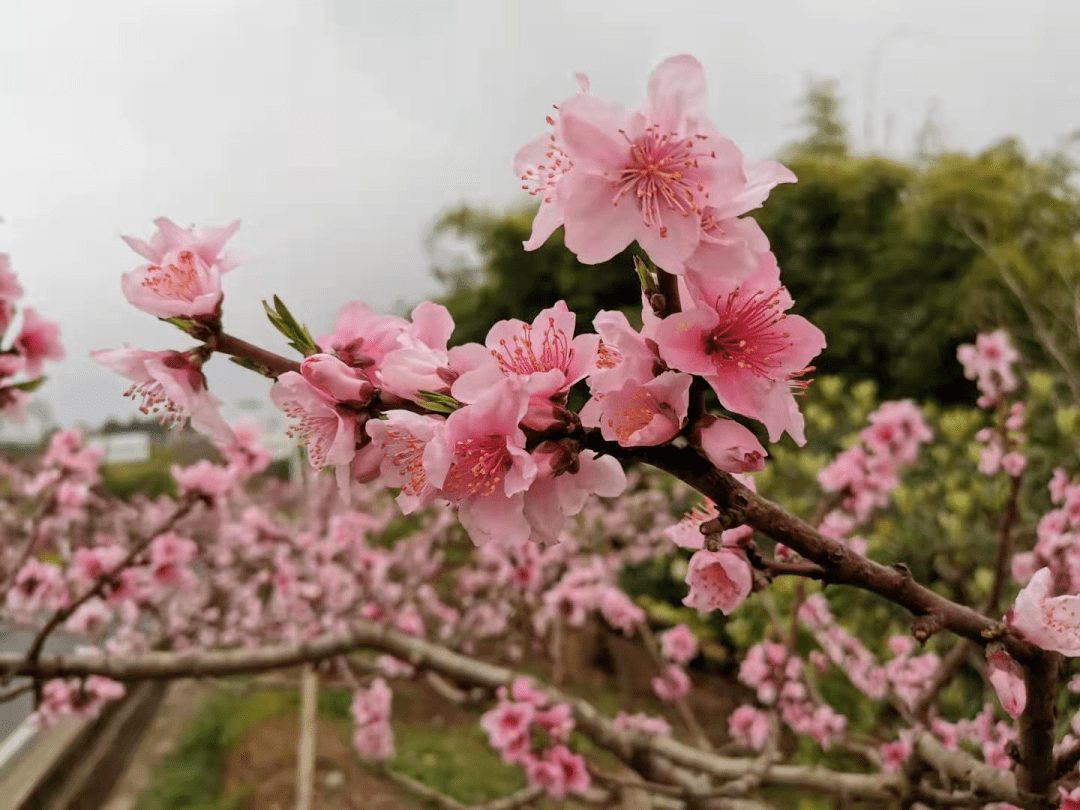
(339, 130)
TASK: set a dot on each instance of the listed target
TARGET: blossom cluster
(779, 678)
(486, 428)
(36, 341)
(528, 730)
(372, 736)
(866, 474)
(990, 362)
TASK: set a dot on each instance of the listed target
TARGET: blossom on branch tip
(362, 338)
(1007, 678)
(644, 176)
(183, 277)
(336, 380)
(172, 384)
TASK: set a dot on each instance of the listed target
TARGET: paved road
(14, 712)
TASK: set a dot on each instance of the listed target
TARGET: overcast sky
(338, 131)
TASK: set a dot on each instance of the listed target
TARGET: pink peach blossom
(558, 494)
(37, 341)
(544, 355)
(638, 415)
(1007, 678)
(672, 684)
(678, 644)
(575, 773)
(10, 289)
(183, 278)
(740, 340)
(541, 165)
(245, 454)
(363, 338)
(329, 432)
(1049, 622)
(1070, 799)
(728, 445)
(718, 580)
(507, 723)
(204, 477)
(171, 383)
(401, 438)
(477, 459)
(623, 355)
(644, 176)
(750, 726)
(336, 380)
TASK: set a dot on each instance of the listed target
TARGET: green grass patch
(191, 777)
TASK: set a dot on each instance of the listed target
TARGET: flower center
(154, 400)
(636, 414)
(315, 430)
(748, 336)
(406, 453)
(606, 357)
(479, 466)
(541, 179)
(523, 356)
(657, 176)
(180, 280)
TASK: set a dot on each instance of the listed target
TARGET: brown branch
(106, 579)
(274, 364)
(1035, 768)
(1004, 547)
(738, 504)
(515, 800)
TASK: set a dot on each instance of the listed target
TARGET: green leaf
(29, 385)
(251, 365)
(298, 335)
(439, 403)
(645, 276)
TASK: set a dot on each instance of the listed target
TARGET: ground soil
(262, 769)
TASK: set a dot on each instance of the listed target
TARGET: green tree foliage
(897, 261)
(479, 257)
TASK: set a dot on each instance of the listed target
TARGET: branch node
(925, 626)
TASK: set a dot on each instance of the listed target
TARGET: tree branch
(628, 746)
(273, 365)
